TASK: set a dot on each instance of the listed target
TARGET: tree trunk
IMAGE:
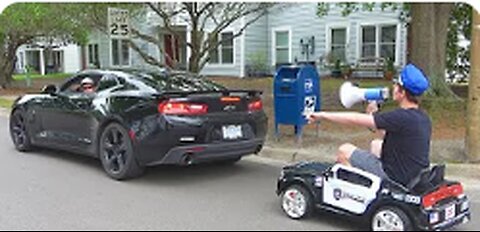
(472, 139)
(8, 59)
(193, 63)
(429, 28)
(196, 42)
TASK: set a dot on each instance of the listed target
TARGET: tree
(22, 23)
(458, 49)
(428, 40)
(473, 104)
(428, 28)
(206, 21)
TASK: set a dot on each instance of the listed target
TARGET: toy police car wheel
(391, 219)
(296, 202)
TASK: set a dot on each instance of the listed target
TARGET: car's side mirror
(49, 89)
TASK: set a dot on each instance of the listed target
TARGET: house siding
(256, 42)
(234, 69)
(103, 42)
(309, 24)
(300, 19)
(72, 58)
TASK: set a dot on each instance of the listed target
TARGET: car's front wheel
(391, 219)
(116, 153)
(297, 202)
(18, 131)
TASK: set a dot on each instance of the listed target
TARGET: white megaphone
(350, 94)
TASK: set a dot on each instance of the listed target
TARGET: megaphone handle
(379, 106)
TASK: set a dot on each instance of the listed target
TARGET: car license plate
(232, 132)
(450, 212)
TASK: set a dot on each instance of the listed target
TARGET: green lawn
(448, 118)
(6, 103)
(48, 76)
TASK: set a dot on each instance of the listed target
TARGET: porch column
(242, 51)
(188, 51)
(24, 61)
(42, 62)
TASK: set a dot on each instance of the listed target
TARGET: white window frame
(97, 55)
(274, 42)
(378, 38)
(376, 43)
(120, 65)
(397, 37)
(219, 51)
(328, 39)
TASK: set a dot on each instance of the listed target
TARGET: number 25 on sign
(118, 21)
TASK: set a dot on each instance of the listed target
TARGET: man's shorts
(367, 162)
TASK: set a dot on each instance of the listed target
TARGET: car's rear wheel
(18, 131)
(116, 153)
(297, 202)
(391, 219)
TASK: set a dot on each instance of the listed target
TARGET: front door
(67, 117)
(172, 51)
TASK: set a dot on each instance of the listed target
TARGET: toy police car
(429, 202)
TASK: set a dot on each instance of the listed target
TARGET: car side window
(106, 82)
(353, 178)
(73, 84)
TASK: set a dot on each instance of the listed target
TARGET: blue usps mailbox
(296, 91)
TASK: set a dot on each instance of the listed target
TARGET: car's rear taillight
(182, 108)
(230, 99)
(442, 193)
(255, 106)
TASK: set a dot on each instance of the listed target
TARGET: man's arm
(349, 118)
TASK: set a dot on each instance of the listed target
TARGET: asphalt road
(52, 190)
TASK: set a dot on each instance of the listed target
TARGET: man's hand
(372, 107)
(312, 116)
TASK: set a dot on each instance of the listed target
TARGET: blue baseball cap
(413, 80)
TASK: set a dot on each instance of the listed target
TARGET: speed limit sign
(118, 23)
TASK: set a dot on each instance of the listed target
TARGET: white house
(45, 58)
(294, 34)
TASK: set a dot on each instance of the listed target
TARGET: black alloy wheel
(18, 131)
(116, 153)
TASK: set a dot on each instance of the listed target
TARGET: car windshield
(183, 82)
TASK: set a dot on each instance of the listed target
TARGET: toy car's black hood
(307, 167)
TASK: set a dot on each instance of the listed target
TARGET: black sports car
(135, 119)
(429, 202)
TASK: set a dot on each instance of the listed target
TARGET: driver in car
(404, 150)
(87, 85)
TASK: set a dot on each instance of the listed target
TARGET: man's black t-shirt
(406, 146)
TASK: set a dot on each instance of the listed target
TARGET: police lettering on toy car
(338, 194)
